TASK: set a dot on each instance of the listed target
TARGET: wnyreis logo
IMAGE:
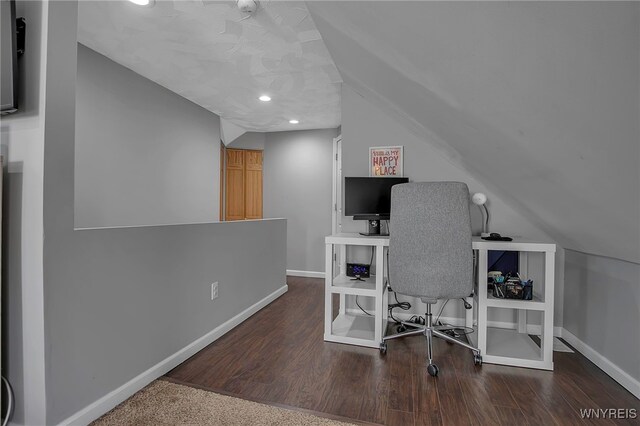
(609, 413)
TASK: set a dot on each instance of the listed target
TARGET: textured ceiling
(222, 59)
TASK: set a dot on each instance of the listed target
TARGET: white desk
(498, 346)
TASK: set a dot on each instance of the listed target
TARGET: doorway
(243, 184)
(339, 258)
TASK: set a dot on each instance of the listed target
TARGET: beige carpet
(166, 403)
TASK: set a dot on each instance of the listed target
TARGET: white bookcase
(349, 326)
(513, 346)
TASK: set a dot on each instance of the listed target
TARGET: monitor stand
(373, 229)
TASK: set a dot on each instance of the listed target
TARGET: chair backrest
(430, 254)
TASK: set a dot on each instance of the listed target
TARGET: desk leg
(482, 300)
(547, 322)
(379, 329)
(522, 321)
(328, 278)
(523, 267)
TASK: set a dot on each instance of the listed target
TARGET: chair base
(430, 331)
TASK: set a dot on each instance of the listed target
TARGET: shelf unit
(348, 326)
(514, 346)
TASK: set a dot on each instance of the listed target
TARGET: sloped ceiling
(222, 59)
(539, 100)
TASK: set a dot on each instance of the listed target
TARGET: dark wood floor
(278, 356)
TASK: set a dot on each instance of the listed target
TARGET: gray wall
(120, 301)
(365, 124)
(144, 155)
(297, 186)
(117, 301)
(249, 140)
(561, 120)
(602, 307)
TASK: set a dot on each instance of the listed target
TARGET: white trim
(336, 180)
(158, 225)
(615, 372)
(306, 274)
(115, 397)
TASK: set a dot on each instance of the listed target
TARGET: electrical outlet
(214, 290)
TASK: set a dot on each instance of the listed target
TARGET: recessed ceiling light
(142, 2)
(265, 98)
(293, 122)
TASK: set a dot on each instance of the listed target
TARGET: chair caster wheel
(383, 348)
(432, 369)
(477, 359)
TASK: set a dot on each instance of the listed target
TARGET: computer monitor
(369, 198)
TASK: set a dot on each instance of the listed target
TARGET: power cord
(405, 306)
(361, 308)
(440, 311)
(358, 304)
(417, 319)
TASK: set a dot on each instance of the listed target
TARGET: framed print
(385, 161)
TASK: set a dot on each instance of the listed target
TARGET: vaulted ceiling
(539, 100)
(222, 59)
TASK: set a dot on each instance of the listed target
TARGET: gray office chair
(430, 254)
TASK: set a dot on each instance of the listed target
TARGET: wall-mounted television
(8, 57)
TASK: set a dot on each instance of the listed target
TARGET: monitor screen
(369, 197)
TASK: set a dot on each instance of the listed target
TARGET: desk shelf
(504, 342)
(345, 285)
(353, 329)
(536, 304)
(348, 327)
(509, 347)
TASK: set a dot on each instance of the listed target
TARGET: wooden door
(235, 185)
(253, 184)
(222, 179)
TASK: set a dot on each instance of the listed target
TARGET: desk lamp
(480, 199)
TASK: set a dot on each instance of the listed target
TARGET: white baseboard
(306, 274)
(115, 397)
(615, 372)
(629, 383)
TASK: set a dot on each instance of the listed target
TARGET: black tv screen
(369, 197)
(8, 57)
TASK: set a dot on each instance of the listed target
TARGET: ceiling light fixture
(293, 122)
(142, 2)
(265, 98)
